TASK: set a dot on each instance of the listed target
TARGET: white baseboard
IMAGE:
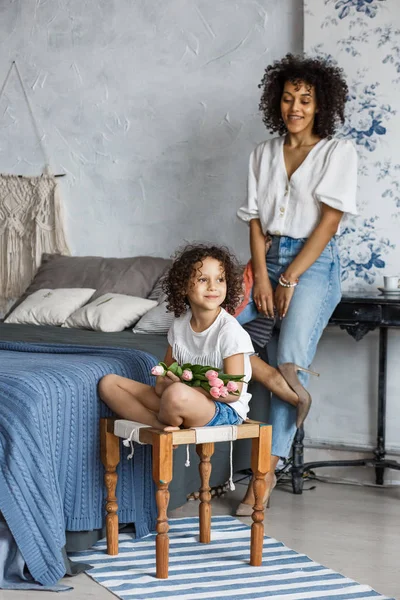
(356, 475)
(325, 444)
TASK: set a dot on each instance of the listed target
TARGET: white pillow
(157, 320)
(110, 312)
(50, 307)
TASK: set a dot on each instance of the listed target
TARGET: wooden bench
(162, 443)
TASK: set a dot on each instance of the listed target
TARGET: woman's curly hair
(330, 89)
(178, 278)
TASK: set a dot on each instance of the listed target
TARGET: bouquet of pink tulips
(217, 383)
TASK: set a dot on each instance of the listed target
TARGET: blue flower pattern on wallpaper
(390, 35)
(391, 175)
(349, 44)
(361, 251)
(356, 45)
(347, 8)
(369, 115)
(366, 115)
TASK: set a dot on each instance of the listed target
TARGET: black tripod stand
(378, 459)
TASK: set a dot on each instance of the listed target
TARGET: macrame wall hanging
(30, 219)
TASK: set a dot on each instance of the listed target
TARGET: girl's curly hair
(330, 89)
(179, 276)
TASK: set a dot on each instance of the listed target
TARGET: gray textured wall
(149, 107)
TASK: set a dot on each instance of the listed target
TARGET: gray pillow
(156, 320)
(134, 276)
(157, 293)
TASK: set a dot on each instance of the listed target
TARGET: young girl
(203, 286)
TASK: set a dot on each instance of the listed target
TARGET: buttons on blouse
(282, 209)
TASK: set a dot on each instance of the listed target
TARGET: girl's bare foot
(171, 428)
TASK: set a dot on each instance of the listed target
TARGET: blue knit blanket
(51, 476)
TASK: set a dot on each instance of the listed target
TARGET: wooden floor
(353, 530)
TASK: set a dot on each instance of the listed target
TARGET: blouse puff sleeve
(233, 339)
(249, 211)
(338, 185)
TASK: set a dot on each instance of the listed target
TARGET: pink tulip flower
(216, 382)
(211, 374)
(215, 392)
(224, 391)
(158, 370)
(232, 386)
(187, 375)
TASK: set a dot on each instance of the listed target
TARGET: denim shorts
(224, 415)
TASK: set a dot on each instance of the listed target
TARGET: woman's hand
(263, 296)
(283, 297)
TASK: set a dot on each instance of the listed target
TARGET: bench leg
(205, 451)
(162, 475)
(109, 446)
(260, 464)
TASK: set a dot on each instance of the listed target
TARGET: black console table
(358, 313)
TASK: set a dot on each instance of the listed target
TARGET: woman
(300, 185)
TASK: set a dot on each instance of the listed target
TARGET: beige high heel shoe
(289, 373)
(246, 510)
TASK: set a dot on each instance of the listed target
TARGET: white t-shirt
(292, 207)
(225, 337)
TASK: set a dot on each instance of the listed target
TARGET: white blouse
(292, 208)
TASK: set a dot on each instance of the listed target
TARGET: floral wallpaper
(363, 37)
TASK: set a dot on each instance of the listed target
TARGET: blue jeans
(224, 415)
(313, 302)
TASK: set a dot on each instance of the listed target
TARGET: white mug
(391, 284)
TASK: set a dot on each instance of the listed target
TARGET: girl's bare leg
(131, 400)
(184, 405)
(272, 380)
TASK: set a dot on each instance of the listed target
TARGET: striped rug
(216, 570)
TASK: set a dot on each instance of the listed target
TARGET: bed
(67, 475)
